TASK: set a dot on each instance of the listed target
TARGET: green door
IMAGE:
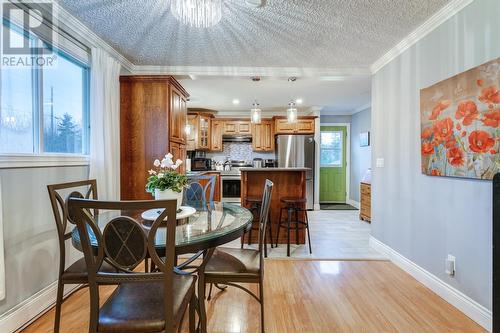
(332, 174)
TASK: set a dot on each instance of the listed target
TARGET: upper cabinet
(263, 136)
(237, 127)
(217, 129)
(178, 112)
(199, 136)
(304, 125)
(152, 123)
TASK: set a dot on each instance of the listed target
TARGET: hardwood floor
(314, 296)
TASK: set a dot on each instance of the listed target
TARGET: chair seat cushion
(140, 307)
(77, 272)
(233, 262)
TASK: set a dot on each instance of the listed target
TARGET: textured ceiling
(284, 33)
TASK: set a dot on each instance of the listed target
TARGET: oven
(231, 188)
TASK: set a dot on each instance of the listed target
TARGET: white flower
(166, 163)
(169, 156)
(157, 163)
(160, 175)
(178, 162)
(174, 166)
(152, 172)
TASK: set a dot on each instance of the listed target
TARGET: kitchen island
(288, 182)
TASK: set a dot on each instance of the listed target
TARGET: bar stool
(293, 206)
(255, 204)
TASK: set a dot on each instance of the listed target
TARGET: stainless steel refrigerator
(298, 151)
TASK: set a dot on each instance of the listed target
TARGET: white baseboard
(317, 206)
(462, 302)
(353, 203)
(23, 314)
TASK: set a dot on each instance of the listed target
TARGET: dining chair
(76, 273)
(230, 266)
(199, 195)
(142, 302)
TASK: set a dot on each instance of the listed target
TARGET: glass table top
(221, 220)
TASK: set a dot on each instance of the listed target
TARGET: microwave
(201, 164)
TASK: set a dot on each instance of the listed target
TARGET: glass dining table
(200, 233)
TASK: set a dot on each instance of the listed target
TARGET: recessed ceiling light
(236, 101)
(299, 101)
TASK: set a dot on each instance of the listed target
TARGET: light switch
(380, 162)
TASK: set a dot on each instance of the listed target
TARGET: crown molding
(88, 37)
(251, 71)
(428, 26)
(362, 107)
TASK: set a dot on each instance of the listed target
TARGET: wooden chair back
(264, 215)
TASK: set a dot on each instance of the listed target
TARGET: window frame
(40, 158)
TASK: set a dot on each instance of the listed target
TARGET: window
(331, 148)
(44, 110)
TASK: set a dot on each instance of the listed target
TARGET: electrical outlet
(380, 162)
(450, 265)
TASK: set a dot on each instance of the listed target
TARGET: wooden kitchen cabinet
(179, 152)
(200, 132)
(365, 212)
(304, 125)
(263, 136)
(237, 127)
(152, 119)
(216, 133)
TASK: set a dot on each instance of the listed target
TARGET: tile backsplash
(239, 151)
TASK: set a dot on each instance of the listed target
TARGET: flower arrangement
(165, 177)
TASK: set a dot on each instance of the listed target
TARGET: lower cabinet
(365, 212)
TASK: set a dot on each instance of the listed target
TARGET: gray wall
(30, 239)
(360, 156)
(425, 218)
(334, 119)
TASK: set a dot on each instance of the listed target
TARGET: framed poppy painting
(460, 118)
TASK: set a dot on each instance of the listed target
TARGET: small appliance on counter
(258, 163)
(188, 164)
(269, 163)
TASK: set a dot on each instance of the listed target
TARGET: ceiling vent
(255, 3)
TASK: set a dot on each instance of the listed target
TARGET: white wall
(360, 156)
(31, 246)
(425, 218)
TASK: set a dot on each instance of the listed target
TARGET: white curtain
(105, 124)
(2, 259)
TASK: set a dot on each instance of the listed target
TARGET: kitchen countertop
(275, 169)
(200, 173)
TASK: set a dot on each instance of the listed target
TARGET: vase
(169, 195)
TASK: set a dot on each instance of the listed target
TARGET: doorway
(334, 156)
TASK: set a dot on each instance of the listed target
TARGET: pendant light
(256, 113)
(291, 113)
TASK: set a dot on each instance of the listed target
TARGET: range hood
(236, 138)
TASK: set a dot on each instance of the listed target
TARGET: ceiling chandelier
(256, 113)
(197, 13)
(291, 113)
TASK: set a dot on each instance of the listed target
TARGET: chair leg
(250, 235)
(261, 298)
(279, 227)
(59, 300)
(290, 211)
(308, 232)
(270, 229)
(243, 239)
(210, 292)
(296, 226)
(192, 311)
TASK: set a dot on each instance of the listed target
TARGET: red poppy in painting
(427, 148)
(443, 129)
(458, 126)
(480, 141)
(479, 83)
(435, 172)
(455, 156)
(440, 106)
(451, 143)
(491, 118)
(490, 95)
(426, 133)
(468, 111)
(493, 152)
